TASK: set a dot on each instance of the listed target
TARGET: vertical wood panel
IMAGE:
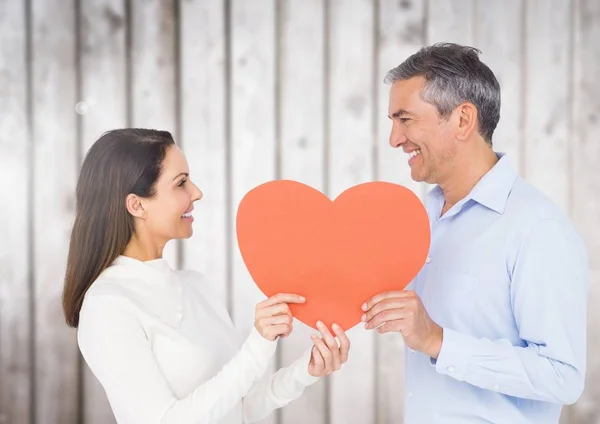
(55, 161)
(253, 144)
(451, 22)
(154, 75)
(302, 100)
(547, 91)
(547, 68)
(203, 135)
(351, 134)
(402, 33)
(585, 187)
(499, 36)
(102, 106)
(15, 366)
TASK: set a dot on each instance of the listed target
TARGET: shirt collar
(153, 285)
(493, 188)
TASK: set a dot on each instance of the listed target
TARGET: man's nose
(397, 137)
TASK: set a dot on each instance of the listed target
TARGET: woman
(158, 340)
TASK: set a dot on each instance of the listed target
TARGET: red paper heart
(374, 237)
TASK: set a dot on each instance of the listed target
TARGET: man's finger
(395, 326)
(385, 316)
(385, 305)
(400, 294)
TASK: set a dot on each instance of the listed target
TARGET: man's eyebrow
(400, 112)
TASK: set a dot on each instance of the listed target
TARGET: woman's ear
(135, 206)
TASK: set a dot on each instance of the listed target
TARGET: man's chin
(416, 176)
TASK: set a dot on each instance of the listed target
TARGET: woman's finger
(281, 298)
(277, 319)
(282, 330)
(344, 342)
(317, 358)
(269, 311)
(325, 353)
(331, 344)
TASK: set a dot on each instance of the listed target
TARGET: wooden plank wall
(255, 91)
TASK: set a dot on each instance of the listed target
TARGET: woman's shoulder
(108, 295)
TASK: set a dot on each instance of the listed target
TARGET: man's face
(423, 135)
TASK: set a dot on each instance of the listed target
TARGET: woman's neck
(143, 249)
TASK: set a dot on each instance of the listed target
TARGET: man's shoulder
(529, 203)
(528, 207)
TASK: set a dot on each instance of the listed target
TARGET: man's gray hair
(454, 75)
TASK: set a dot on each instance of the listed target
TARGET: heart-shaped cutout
(373, 237)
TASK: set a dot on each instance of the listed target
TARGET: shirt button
(450, 368)
(428, 260)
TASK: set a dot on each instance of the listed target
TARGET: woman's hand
(273, 317)
(327, 354)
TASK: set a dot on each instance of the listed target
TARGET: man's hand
(404, 312)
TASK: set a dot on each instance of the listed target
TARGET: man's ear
(467, 120)
(135, 206)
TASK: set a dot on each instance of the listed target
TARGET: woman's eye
(182, 182)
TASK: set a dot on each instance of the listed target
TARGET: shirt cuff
(300, 372)
(455, 354)
(260, 346)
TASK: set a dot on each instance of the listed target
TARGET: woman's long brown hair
(120, 162)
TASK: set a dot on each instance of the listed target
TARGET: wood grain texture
(253, 144)
(102, 106)
(585, 185)
(302, 154)
(15, 310)
(402, 32)
(203, 136)
(547, 93)
(350, 162)
(450, 21)
(154, 70)
(55, 168)
(499, 35)
(255, 91)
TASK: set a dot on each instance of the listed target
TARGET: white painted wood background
(253, 91)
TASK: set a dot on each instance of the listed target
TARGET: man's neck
(465, 175)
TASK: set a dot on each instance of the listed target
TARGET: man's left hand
(403, 311)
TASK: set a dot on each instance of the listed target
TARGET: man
(495, 321)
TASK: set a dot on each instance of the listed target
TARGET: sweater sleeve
(115, 347)
(278, 390)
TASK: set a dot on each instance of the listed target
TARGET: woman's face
(168, 215)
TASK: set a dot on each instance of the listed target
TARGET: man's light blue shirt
(507, 280)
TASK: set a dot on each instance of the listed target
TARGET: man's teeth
(414, 153)
(187, 215)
